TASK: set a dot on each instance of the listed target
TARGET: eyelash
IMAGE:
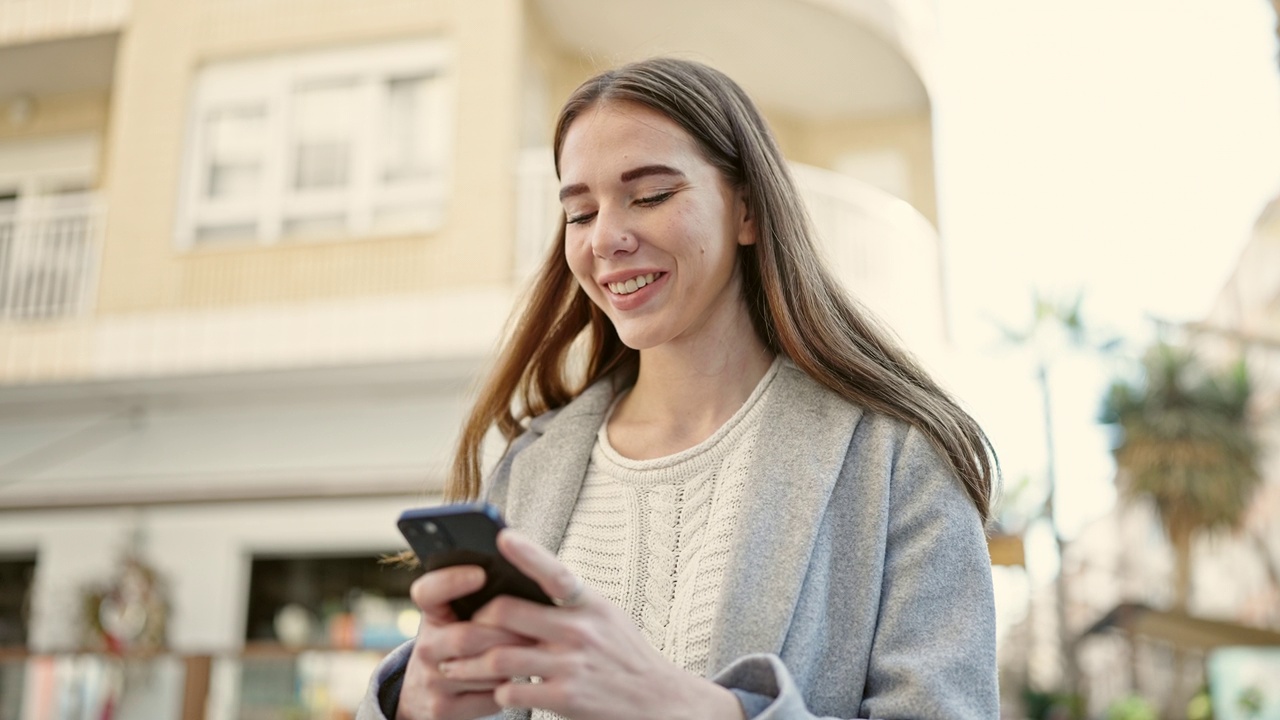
(655, 199)
(650, 201)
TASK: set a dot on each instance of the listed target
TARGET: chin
(639, 338)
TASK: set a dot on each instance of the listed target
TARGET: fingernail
(518, 543)
(445, 667)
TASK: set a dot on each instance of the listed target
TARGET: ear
(748, 230)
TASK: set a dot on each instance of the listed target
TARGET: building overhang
(58, 67)
(1180, 629)
(817, 59)
(367, 431)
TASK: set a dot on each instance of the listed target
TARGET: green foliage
(1186, 443)
(1055, 325)
(1052, 705)
(1249, 702)
(1201, 706)
(1133, 707)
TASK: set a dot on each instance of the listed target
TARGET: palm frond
(1186, 440)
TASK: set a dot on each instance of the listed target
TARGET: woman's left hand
(592, 660)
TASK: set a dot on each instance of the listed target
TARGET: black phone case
(473, 530)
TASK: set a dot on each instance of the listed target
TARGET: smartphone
(467, 534)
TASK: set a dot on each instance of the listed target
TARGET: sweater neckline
(703, 448)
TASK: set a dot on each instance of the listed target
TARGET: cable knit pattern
(653, 536)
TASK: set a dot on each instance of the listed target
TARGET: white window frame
(270, 82)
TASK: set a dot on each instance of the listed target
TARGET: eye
(655, 199)
(582, 219)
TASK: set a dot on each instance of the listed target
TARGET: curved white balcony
(808, 58)
(883, 250)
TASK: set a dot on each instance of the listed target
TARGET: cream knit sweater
(653, 535)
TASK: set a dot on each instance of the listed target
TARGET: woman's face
(652, 229)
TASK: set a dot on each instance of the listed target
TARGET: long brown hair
(796, 306)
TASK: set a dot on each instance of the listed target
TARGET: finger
(465, 639)
(467, 705)
(552, 625)
(543, 567)
(463, 687)
(501, 664)
(436, 589)
(548, 695)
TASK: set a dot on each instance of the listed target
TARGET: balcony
(26, 21)
(860, 58)
(883, 250)
(48, 256)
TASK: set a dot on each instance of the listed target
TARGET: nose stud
(623, 243)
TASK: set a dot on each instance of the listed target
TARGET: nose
(611, 236)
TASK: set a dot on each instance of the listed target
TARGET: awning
(343, 432)
(1180, 629)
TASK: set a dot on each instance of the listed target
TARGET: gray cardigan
(859, 584)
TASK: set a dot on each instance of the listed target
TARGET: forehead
(611, 135)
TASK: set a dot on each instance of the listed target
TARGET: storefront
(209, 547)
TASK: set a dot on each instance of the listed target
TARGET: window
(336, 601)
(316, 628)
(16, 578)
(342, 143)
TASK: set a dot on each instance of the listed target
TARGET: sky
(1123, 148)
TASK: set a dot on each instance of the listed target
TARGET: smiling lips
(629, 286)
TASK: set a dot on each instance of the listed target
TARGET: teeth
(632, 285)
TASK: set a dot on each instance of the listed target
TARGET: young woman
(747, 501)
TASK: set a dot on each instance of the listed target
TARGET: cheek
(579, 261)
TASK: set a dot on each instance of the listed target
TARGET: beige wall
(168, 40)
(159, 56)
(67, 114)
(822, 143)
(30, 21)
(560, 71)
(60, 115)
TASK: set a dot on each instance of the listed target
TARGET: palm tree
(1057, 328)
(1188, 447)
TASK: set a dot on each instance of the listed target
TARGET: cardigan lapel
(800, 453)
(547, 476)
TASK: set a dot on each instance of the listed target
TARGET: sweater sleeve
(383, 695)
(934, 650)
(933, 653)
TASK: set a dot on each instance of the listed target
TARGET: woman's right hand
(425, 693)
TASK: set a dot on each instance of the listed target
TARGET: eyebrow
(626, 177)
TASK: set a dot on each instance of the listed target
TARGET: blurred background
(255, 253)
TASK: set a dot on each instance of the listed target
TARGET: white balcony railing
(48, 256)
(30, 20)
(880, 246)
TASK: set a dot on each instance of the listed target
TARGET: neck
(689, 392)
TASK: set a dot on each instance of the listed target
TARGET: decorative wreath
(130, 613)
